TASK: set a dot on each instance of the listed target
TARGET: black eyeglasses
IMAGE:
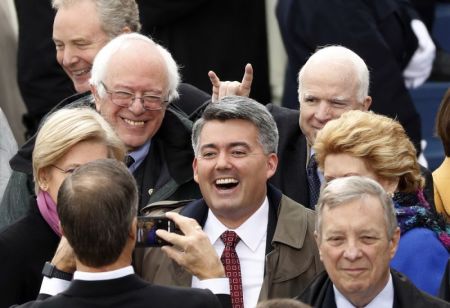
(69, 170)
(126, 99)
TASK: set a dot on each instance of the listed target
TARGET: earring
(43, 186)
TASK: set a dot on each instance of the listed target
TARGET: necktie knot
(230, 261)
(230, 238)
(129, 160)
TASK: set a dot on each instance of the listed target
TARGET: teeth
(134, 123)
(226, 181)
(81, 72)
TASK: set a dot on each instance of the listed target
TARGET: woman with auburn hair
(367, 144)
(69, 137)
(441, 176)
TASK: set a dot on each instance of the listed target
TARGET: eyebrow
(122, 87)
(230, 145)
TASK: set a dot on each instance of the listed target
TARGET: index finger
(215, 81)
(185, 224)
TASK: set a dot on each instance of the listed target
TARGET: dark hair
(242, 108)
(443, 122)
(96, 207)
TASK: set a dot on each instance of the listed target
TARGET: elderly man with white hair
(357, 235)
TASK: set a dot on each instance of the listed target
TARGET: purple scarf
(47, 207)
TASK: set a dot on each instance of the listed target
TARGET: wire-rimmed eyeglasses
(126, 99)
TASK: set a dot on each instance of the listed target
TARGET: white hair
(105, 54)
(342, 54)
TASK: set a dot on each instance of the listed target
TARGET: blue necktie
(313, 182)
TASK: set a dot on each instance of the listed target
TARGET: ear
(133, 231)
(272, 163)
(394, 242)
(96, 97)
(126, 29)
(194, 167)
(366, 103)
(389, 185)
(43, 178)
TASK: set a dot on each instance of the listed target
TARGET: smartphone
(146, 230)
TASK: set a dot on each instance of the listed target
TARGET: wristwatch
(51, 271)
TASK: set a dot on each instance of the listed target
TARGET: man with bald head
(333, 81)
(133, 82)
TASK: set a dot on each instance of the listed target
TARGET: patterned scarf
(413, 211)
(47, 207)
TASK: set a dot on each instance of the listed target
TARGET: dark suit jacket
(166, 172)
(378, 31)
(24, 248)
(290, 176)
(131, 292)
(320, 293)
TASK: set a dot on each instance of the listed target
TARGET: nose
(69, 57)
(323, 112)
(352, 251)
(136, 106)
(222, 161)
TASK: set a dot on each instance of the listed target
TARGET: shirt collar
(119, 273)
(251, 231)
(384, 299)
(138, 155)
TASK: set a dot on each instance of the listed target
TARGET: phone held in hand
(146, 230)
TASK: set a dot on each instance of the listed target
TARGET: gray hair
(242, 108)
(114, 15)
(344, 190)
(340, 54)
(105, 54)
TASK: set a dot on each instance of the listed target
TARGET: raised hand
(226, 88)
(193, 250)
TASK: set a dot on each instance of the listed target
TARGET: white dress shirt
(251, 250)
(384, 299)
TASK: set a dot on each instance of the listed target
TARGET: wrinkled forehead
(334, 69)
(358, 214)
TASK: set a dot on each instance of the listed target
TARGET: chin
(81, 88)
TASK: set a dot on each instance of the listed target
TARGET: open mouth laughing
(226, 183)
